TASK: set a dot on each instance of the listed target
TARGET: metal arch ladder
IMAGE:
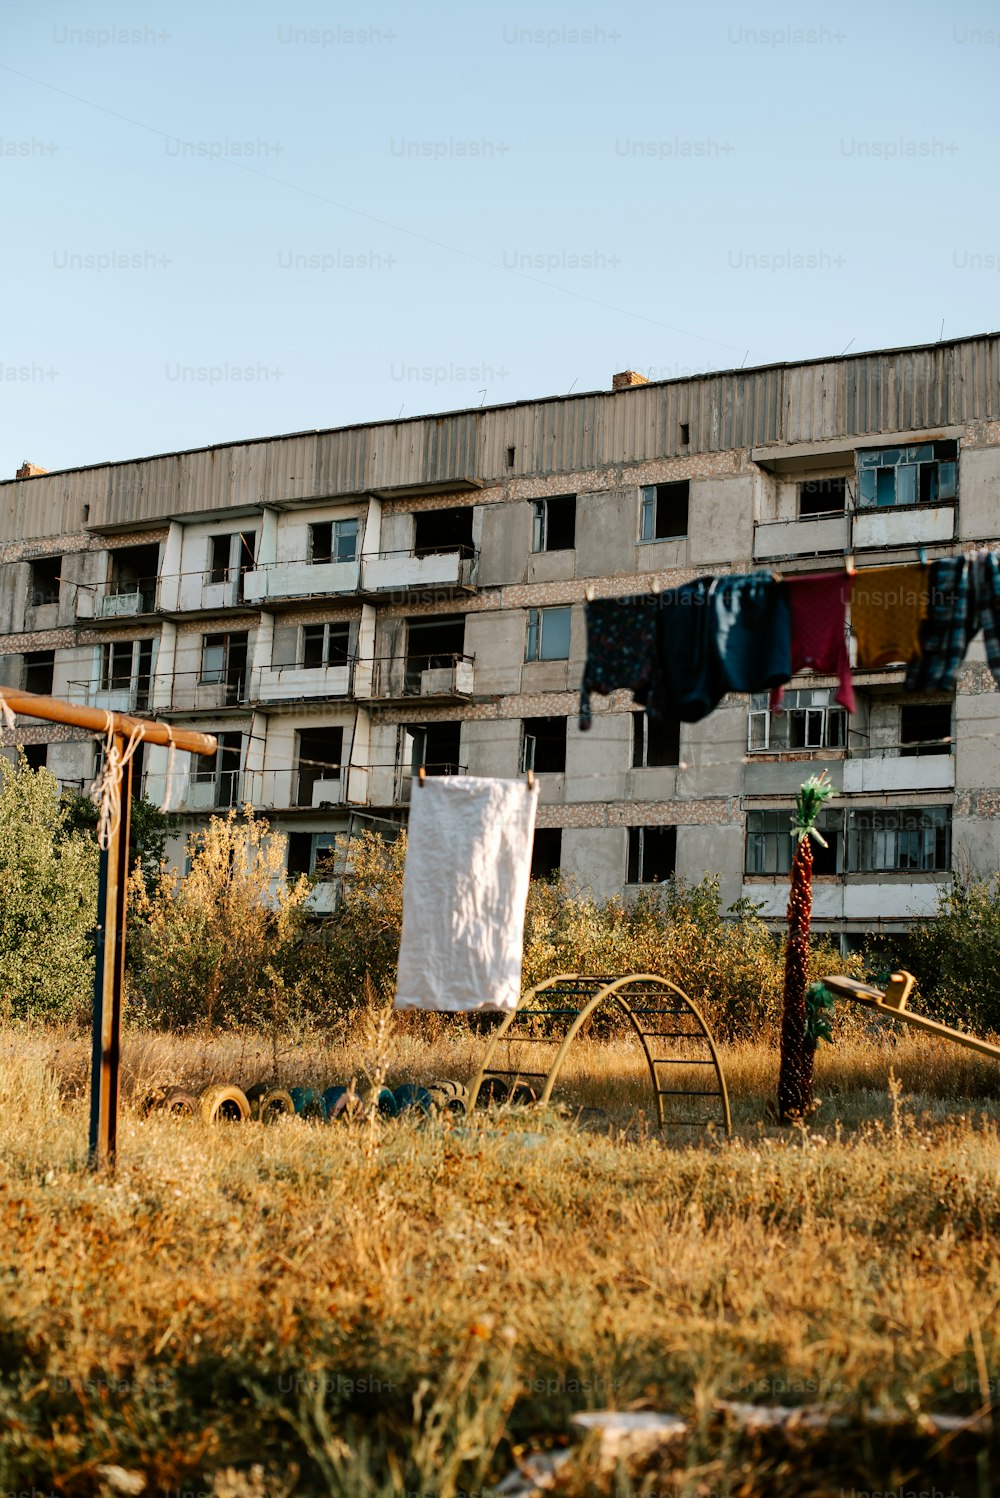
(659, 1013)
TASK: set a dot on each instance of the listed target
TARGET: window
(326, 644)
(652, 854)
(36, 755)
(434, 748)
(224, 663)
(810, 719)
(925, 728)
(511, 454)
(440, 531)
(134, 571)
(311, 853)
(921, 473)
(333, 541)
(432, 644)
(548, 634)
(546, 852)
(685, 434)
(903, 839)
(219, 548)
(769, 846)
(319, 754)
(655, 741)
(544, 745)
(822, 497)
(663, 513)
(39, 669)
(223, 771)
(126, 666)
(554, 523)
(44, 586)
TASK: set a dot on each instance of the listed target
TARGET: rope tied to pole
(106, 791)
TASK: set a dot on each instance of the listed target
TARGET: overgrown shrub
(956, 956)
(48, 900)
(222, 945)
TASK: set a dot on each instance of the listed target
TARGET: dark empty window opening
(652, 854)
(299, 853)
(822, 497)
(37, 755)
(39, 669)
(319, 755)
(434, 748)
(544, 745)
(326, 644)
(321, 541)
(436, 531)
(655, 741)
(134, 570)
(685, 434)
(433, 645)
(511, 454)
(224, 663)
(554, 523)
(664, 511)
(925, 728)
(45, 581)
(219, 548)
(546, 852)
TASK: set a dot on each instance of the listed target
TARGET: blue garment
(719, 635)
(963, 597)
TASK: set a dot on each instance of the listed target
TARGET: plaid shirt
(948, 627)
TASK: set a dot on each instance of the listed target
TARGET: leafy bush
(221, 946)
(48, 900)
(956, 955)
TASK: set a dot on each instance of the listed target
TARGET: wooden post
(109, 981)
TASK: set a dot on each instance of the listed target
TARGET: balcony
(300, 683)
(300, 579)
(415, 570)
(116, 696)
(812, 536)
(445, 678)
(296, 788)
(117, 600)
(193, 692)
(859, 769)
(903, 526)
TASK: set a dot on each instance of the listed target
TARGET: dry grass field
(408, 1306)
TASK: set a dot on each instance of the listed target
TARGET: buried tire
(270, 1104)
(153, 1101)
(180, 1103)
(222, 1104)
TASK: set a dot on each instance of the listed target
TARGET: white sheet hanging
(465, 886)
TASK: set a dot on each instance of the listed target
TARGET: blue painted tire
(308, 1102)
(385, 1102)
(411, 1095)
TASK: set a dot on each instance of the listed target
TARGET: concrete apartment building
(341, 607)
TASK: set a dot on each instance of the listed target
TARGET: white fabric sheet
(465, 886)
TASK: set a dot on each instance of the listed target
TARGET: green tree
(48, 900)
(222, 945)
(149, 829)
(956, 954)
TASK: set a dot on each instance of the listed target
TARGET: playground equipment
(675, 1040)
(893, 1003)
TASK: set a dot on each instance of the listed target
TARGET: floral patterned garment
(621, 649)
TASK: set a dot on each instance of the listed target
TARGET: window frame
(636, 854)
(326, 628)
(650, 497)
(535, 640)
(541, 523)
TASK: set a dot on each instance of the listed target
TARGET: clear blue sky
(397, 208)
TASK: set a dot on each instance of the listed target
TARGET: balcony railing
(302, 787)
(117, 599)
(415, 569)
(409, 781)
(197, 691)
(300, 683)
(301, 579)
(451, 676)
(132, 695)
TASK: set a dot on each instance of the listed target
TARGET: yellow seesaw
(893, 1003)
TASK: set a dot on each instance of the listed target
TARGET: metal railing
(435, 674)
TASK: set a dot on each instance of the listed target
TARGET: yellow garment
(887, 606)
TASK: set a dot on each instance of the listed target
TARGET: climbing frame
(686, 1078)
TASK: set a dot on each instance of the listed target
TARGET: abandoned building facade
(343, 607)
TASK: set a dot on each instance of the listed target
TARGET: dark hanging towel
(621, 646)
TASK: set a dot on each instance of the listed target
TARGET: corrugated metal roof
(809, 401)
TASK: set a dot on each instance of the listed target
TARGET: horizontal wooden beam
(874, 998)
(54, 710)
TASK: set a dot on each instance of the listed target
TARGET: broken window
(925, 728)
(311, 853)
(333, 541)
(222, 770)
(770, 848)
(436, 531)
(919, 473)
(39, 669)
(663, 511)
(326, 644)
(554, 523)
(134, 571)
(544, 745)
(218, 558)
(905, 838)
(319, 755)
(655, 741)
(126, 667)
(44, 587)
(548, 634)
(434, 748)
(546, 852)
(652, 854)
(36, 755)
(809, 719)
(822, 497)
(224, 663)
(433, 644)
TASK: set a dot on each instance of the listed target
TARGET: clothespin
(657, 586)
(776, 576)
(421, 775)
(589, 594)
(849, 564)
(531, 780)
